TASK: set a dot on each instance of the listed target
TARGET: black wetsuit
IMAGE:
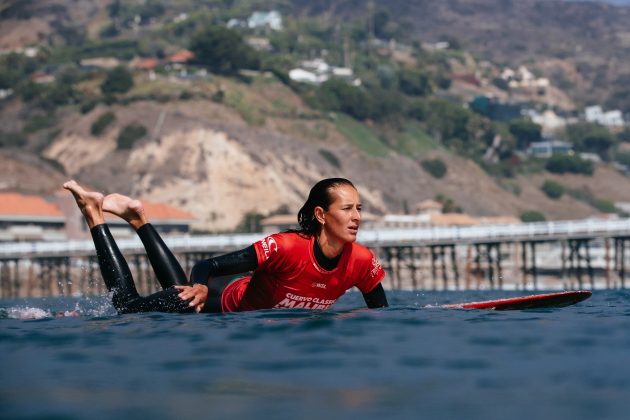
(169, 273)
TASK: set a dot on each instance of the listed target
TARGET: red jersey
(288, 276)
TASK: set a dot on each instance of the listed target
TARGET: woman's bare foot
(126, 208)
(90, 203)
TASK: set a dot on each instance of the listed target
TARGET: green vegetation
(593, 138)
(39, 122)
(393, 103)
(448, 205)
(436, 167)
(12, 139)
(248, 111)
(118, 80)
(414, 82)
(414, 141)
(529, 216)
(102, 122)
(526, 132)
(330, 158)
(223, 51)
(129, 135)
(586, 196)
(559, 164)
(552, 189)
(361, 136)
(623, 158)
(15, 69)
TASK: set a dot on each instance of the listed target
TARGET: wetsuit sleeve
(376, 298)
(233, 263)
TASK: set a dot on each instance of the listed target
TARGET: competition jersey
(288, 276)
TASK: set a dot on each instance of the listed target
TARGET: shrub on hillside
(436, 167)
(101, 123)
(12, 139)
(532, 216)
(40, 122)
(553, 189)
(414, 82)
(118, 80)
(330, 158)
(129, 135)
(223, 51)
(559, 164)
(593, 138)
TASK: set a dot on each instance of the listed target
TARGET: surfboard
(548, 300)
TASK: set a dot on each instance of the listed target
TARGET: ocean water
(406, 361)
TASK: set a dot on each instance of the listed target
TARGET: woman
(308, 268)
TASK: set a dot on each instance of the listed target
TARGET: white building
(304, 76)
(548, 120)
(546, 149)
(595, 114)
(272, 19)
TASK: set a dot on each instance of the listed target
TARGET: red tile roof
(145, 63)
(181, 56)
(15, 204)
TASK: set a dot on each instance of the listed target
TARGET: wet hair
(320, 196)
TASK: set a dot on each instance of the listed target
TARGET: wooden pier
(536, 256)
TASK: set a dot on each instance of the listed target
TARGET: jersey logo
(269, 245)
(376, 267)
(320, 285)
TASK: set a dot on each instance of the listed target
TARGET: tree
(526, 132)
(223, 51)
(589, 137)
(129, 135)
(118, 80)
(436, 167)
(560, 164)
(414, 82)
(532, 216)
(553, 189)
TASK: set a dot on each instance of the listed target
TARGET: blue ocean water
(406, 361)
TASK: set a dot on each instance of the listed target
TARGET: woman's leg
(114, 268)
(166, 267)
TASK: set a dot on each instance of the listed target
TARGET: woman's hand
(197, 293)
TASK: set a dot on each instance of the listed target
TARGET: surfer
(310, 267)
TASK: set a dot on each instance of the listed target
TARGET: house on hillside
(146, 64)
(317, 71)
(548, 120)
(96, 63)
(272, 20)
(548, 148)
(595, 114)
(29, 218)
(495, 109)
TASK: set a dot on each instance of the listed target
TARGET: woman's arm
(376, 298)
(233, 263)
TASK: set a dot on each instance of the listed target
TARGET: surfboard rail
(546, 300)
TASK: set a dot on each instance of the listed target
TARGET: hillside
(221, 146)
(583, 47)
(206, 159)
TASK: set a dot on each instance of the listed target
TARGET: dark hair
(320, 196)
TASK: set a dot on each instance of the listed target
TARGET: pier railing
(525, 232)
(528, 256)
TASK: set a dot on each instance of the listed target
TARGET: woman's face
(341, 221)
